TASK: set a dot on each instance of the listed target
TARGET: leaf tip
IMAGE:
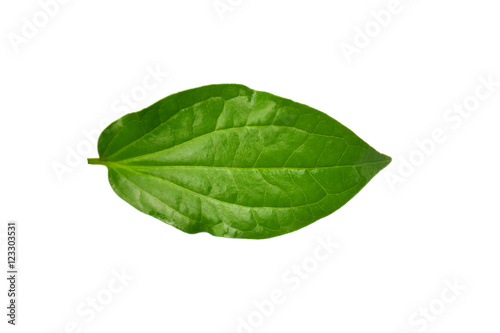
(388, 159)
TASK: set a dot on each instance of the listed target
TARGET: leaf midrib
(131, 166)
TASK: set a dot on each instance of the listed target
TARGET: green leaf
(235, 162)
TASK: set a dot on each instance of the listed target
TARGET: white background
(399, 244)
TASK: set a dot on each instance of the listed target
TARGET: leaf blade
(235, 162)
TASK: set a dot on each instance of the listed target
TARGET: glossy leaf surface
(235, 162)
